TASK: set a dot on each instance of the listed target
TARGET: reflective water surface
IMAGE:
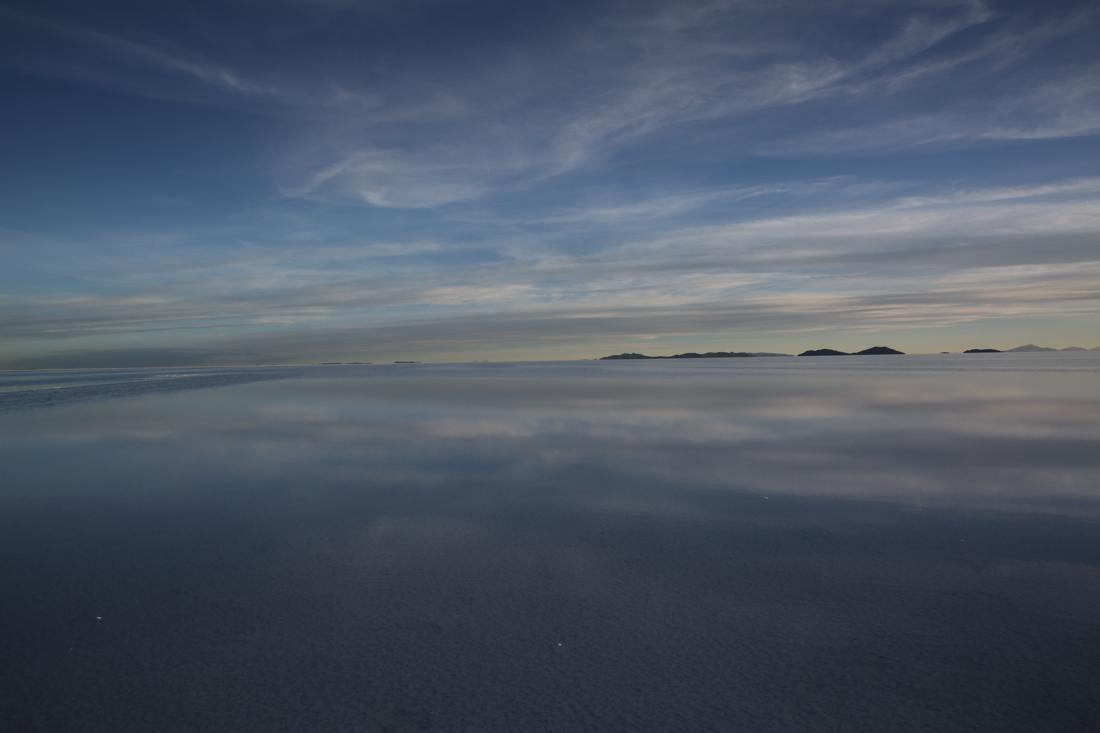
(852, 543)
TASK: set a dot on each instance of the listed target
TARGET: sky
(293, 181)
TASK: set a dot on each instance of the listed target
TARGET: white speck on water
(98, 618)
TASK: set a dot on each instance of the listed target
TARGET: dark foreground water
(849, 544)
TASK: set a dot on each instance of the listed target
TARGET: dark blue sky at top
(324, 179)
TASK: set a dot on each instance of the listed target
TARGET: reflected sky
(893, 542)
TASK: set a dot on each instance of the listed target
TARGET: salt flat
(860, 543)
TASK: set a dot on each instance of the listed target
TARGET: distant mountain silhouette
(876, 350)
(691, 355)
(1031, 347)
(1028, 349)
(873, 351)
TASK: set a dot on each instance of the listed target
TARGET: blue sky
(328, 180)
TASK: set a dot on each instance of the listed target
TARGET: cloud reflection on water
(1016, 440)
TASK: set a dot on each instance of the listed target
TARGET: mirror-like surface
(853, 543)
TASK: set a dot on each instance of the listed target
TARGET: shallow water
(849, 543)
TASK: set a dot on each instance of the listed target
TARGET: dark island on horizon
(690, 355)
(872, 351)
(630, 355)
(1027, 349)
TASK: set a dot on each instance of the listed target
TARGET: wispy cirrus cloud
(1064, 108)
(521, 114)
(630, 79)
